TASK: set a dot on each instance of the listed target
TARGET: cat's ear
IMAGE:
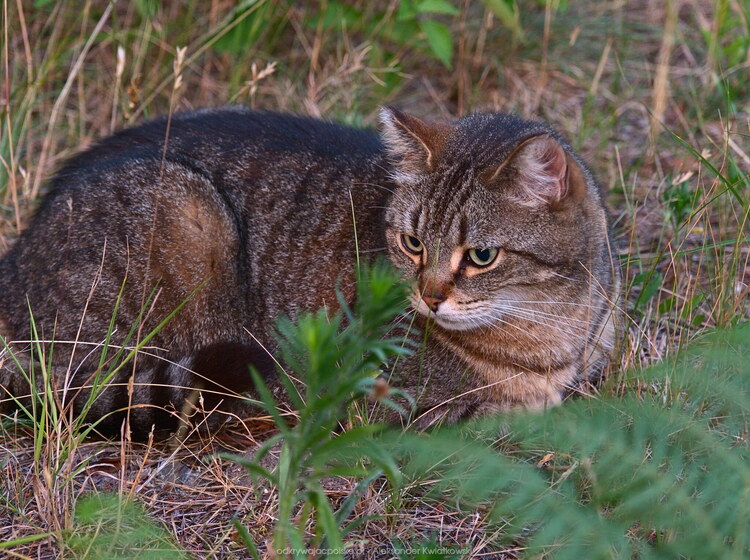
(542, 167)
(546, 173)
(413, 143)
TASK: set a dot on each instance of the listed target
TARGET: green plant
(661, 473)
(680, 200)
(106, 527)
(412, 24)
(44, 406)
(338, 358)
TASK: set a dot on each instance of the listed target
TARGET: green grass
(657, 102)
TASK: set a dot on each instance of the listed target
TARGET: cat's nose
(433, 301)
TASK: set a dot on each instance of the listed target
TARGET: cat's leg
(431, 402)
(168, 394)
(12, 359)
(20, 377)
(221, 377)
(154, 393)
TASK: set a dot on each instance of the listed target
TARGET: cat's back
(211, 140)
(258, 163)
(253, 200)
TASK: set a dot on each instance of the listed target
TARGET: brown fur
(250, 216)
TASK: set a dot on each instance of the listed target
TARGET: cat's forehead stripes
(463, 229)
(431, 213)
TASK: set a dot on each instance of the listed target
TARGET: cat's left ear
(546, 173)
(414, 144)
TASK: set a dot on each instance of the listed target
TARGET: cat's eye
(412, 244)
(481, 257)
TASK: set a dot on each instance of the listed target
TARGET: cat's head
(490, 213)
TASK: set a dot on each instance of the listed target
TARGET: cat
(234, 218)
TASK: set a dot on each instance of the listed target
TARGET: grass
(653, 95)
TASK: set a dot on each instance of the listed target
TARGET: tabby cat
(242, 216)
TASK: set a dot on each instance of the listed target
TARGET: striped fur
(251, 215)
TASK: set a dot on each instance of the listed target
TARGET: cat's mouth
(446, 315)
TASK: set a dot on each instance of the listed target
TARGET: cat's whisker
(544, 319)
(559, 328)
(544, 314)
(538, 314)
(403, 320)
(598, 289)
(498, 325)
(561, 325)
(494, 322)
(496, 317)
(558, 275)
(465, 393)
(556, 302)
(502, 302)
(269, 353)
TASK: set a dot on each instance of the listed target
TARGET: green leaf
(691, 305)
(651, 287)
(337, 364)
(268, 402)
(406, 11)
(247, 540)
(327, 521)
(25, 540)
(440, 40)
(347, 441)
(147, 8)
(436, 7)
(347, 506)
(337, 16)
(108, 527)
(245, 24)
(508, 14)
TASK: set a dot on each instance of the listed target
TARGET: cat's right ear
(412, 143)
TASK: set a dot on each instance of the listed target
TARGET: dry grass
(619, 78)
